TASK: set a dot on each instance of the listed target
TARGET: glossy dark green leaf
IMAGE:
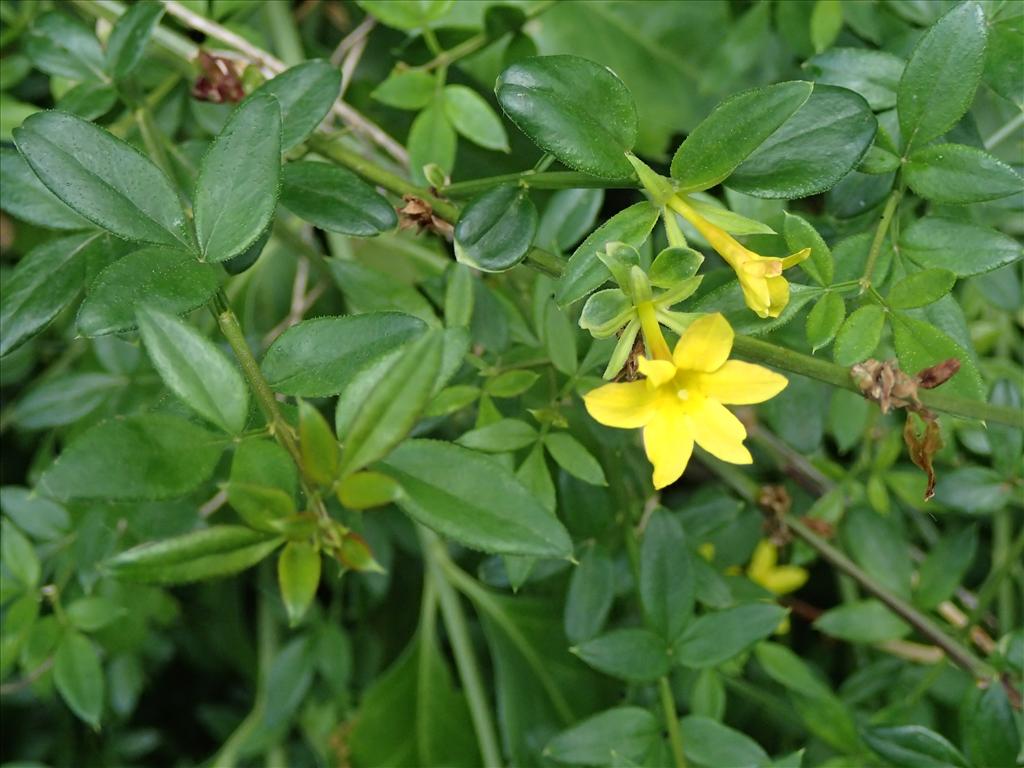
(816, 147)
(335, 199)
(666, 576)
(166, 278)
(719, 636)
(920, 344)
(25, 197)
(474, 500)
(914, 745)
(305, 93)
(943, 72)
(921, 288)
(873, 74)
(735, 128)
(959, 246)
(298, 576)
(571, 456)
(859, 335)
(131, 33)
(473, 118)
(220, 550)
(590, 596)
(320, 357)
(394, 406)
(495, 230)
(44, 282)
(574, 109)
(990, 730)
(636, 655)
(79, 677)
(628, 732)
(237, 187)
(863, 621)
(61, 45)
(195, 369)
(103, 178)
(708, 742)
(945, 566)
(824, 320)
(955, 173)
(146, 456)
(585, 272)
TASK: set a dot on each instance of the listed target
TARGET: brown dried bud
(938, 374)
(418, 213)
(219, 81)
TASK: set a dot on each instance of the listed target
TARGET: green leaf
(237, 187)
(921, 344)
(89, 100)
(816, 147)
(560, 339)
(106, 180)
(959, 246)
(25, 197)
(320, 357)
(369, 290)
(789, 670)
(826, 21)
(220, 550)
(878, 161)
(335, 199)
(79, 677)
(708, 742)
(18, 556)
(568, 216)
(955, 173)
(262, 483)
(411, 89)
(63, 46)
(128, 39)
(92, 613)
(799, 235)
(859, 335)
(717, 637)
(636, 655)
(585, 272)
(298, 576)
(920, 288)
(495, 231)
(168, 279)
(146, 456)
(305, 93)
(64, 399)
(41, 285)
(511, 383)
(458, 296)
(365, 490)
(474, 500)
(571, 456)
(733, 130)
(945, 567)
(319, 448)
(938, 84)
(875, 75)
(666, 576)
(1002, 58)
(499, 436)
(863, 621)
(914, 745)
(878, 546)
(195, 369)
(431, 139)
(625, 732)
(824, 320)
(973, 490)
(391, 410)
(990, 731)
(473, 118)
(574, 109)
(39, 517)
(406, 14)
(590, 596)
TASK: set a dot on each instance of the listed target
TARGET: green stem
(535, 180)
(675, 736)
(750, 490)
(462, 649)
(283, 32)
(880, 232)
(1004, 557)
(1001, 532)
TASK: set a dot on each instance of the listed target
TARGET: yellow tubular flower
(764, 288)
(683, 396)
(765, 570)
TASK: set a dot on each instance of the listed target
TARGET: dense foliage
(527, 383)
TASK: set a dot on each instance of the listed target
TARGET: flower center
(682, 394)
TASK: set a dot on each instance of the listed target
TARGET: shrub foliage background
(300, 306)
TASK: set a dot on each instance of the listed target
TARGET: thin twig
(16, 685)
(353, 38)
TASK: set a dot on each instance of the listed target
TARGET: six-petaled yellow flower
(682, 399)
(765, 290)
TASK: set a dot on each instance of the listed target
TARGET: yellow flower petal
(657, 372)
(739, 383)
(756, 293)
(784, 579)
(705, 345)
(778, 290)
(720, 433)
(669, 444)
(626, 406)
(762, 561)
(795, 258)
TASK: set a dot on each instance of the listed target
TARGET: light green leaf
(407, 15)
(914, 745)
(826, 21)
(499, 436)
(92, 613)
(79, 677)
(708, 742)
(921, 344)
(864, 621)
(636, 655)
(799, 235)
(921, 288)
(824, 320)
(473, 118)
(621, 732)
(431, 140)
(571, 456)
(298, 576)
(411, 89)
(19, 557)
(859, 335)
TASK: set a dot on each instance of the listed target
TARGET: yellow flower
(765, 289)
(683, 397)
(765, 570)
